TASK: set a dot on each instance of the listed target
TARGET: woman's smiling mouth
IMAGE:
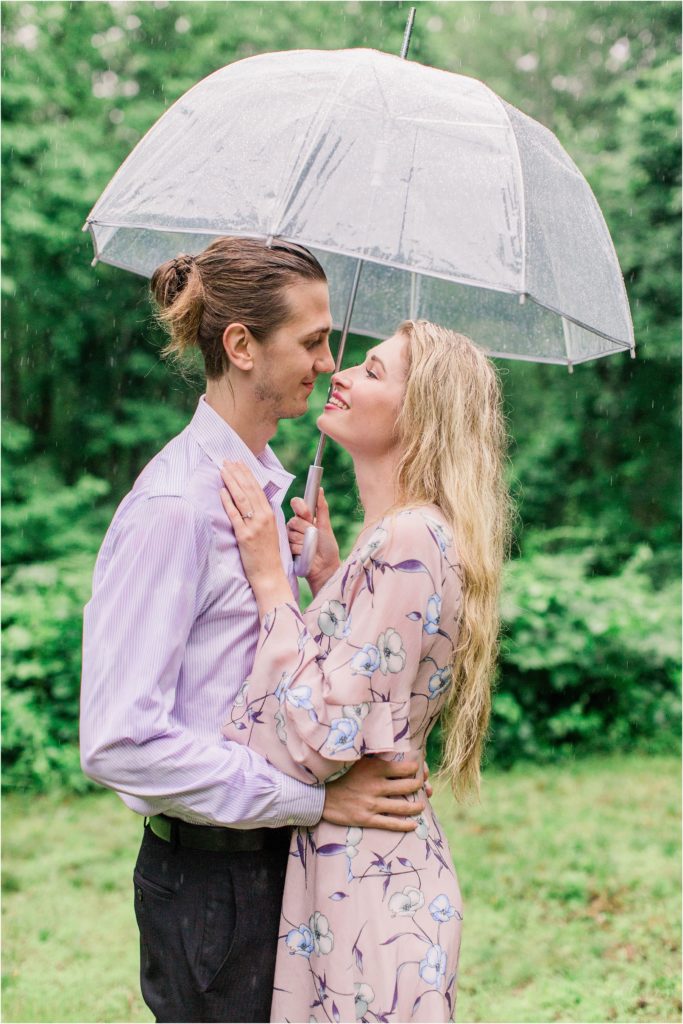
(335, 401)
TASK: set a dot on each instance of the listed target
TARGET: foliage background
(591, 655)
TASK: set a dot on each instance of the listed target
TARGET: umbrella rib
(275, 225)
(405, 205)
(520, 176)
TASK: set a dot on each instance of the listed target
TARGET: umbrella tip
(633, 352)
(570, 367)
(94, 262)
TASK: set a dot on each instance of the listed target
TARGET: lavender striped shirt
(170, 635)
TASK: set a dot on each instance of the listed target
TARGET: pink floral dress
(371, 919)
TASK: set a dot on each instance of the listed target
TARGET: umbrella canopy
(464, 210)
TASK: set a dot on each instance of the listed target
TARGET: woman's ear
(238, 344)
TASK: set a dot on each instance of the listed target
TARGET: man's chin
(293, 412)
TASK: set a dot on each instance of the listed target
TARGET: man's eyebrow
(377, 360)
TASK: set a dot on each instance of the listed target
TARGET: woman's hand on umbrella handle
(326, 559)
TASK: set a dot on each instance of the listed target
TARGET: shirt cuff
(300, 804)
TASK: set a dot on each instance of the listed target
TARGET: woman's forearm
(271, 591)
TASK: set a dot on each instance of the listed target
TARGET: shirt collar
(219, 441)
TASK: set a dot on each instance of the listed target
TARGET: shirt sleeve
(136, 628)
(314, 704)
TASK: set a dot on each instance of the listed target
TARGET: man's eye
(312, 344)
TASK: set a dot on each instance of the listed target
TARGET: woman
(403, 631)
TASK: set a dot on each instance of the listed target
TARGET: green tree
(87, 400)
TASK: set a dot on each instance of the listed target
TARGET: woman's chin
(325, 422)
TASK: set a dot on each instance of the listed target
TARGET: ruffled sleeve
(321, 696)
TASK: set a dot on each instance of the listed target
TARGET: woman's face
(366, 399)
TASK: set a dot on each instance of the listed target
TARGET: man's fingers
(398, 787)
(400, 808)
(384, 821)
(396, 769)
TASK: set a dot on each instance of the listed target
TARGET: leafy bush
(589, 662)
(51, 534)
(42, 615)
(42, 517)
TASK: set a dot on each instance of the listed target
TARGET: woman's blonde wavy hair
(453, 440)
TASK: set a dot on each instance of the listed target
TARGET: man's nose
(325, 362)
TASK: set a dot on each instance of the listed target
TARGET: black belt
(217, 838)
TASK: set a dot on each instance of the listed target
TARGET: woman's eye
(371, 374)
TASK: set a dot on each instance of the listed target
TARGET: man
(170, 634)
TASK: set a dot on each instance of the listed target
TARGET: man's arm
(135, 630)
(373, 794)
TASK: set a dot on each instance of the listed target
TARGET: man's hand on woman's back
(373, 794)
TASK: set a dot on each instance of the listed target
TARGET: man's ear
(238, 343)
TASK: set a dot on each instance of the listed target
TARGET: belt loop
(174, 834)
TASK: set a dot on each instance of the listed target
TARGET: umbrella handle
(304, 561)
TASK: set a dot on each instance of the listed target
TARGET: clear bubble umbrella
(423, 194)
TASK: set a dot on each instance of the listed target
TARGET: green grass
(571, 881)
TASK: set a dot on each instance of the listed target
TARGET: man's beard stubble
(267, 393)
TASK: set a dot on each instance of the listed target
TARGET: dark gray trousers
(208, 929)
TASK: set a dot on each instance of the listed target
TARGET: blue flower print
(365, 662)
(376, 541)
(332, 619)
(440, 908)
(242, 694)
(300, 941)
(406, 902)
(283, 686)
(341, 735)
(280, 726)
(433, 967)
(392, 656)
(356, 711)
(353, 838)
(323, 939)
(422, 830)
(299, 697)
(439, 682)
(362, 999)
(433, 616)
(441, 535)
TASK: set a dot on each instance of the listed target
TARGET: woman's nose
(341, 379)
